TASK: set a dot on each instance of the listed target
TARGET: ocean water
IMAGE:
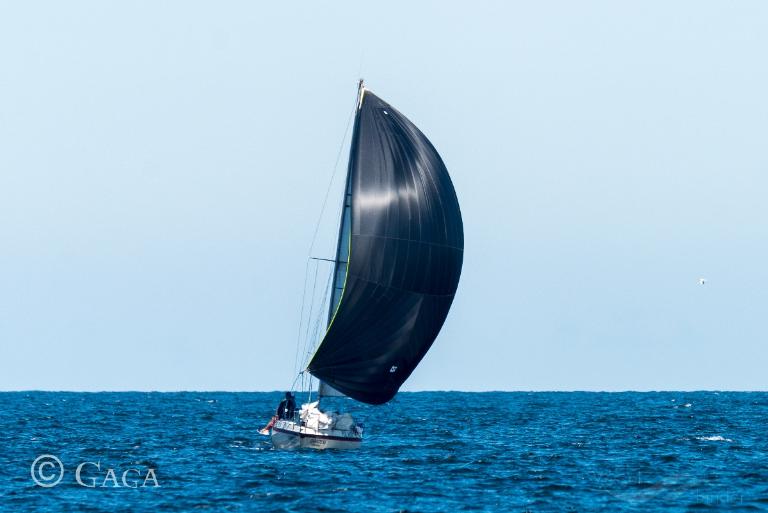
(429, 452)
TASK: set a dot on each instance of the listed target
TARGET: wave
(716, 438)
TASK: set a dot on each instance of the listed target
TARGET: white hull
(287, 434)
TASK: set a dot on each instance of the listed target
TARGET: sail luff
(341, 260)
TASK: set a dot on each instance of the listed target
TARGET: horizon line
(281, 391)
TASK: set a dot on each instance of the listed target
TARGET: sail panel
(326, 390)
(406, 253)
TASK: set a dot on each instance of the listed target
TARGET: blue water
(430, 452)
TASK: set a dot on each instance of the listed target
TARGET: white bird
(702, 281)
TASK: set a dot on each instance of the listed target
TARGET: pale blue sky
(162, 166)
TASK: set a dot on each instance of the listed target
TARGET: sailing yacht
(398, 260)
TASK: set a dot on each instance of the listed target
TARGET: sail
(403, 262)
(326, 390)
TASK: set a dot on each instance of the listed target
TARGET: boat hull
(287, 434)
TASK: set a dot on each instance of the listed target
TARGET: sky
(163, 166)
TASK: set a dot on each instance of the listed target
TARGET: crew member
(287, 407)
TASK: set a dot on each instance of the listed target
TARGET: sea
(423, 452)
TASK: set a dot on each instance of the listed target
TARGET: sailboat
(398, 260)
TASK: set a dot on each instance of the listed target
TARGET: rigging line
(311, 306)
(333, 176)
(360, 68)
(314, 239)
(316, 331)
(312, 341)
(301, 319)
(328, 260)
(295, 380)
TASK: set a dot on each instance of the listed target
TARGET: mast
(341, 260)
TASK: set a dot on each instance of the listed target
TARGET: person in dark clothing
(287, 407)
(284, 411)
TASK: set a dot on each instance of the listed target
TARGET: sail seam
(437, 244)
(392, 287)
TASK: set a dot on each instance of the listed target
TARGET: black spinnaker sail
(396, 280)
